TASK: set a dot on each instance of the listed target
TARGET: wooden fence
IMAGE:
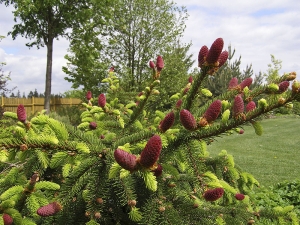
(33, 104)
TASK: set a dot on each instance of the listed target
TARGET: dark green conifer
(130, 171)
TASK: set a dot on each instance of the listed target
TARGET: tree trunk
(48, 75)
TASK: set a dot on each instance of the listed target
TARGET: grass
(273, 157)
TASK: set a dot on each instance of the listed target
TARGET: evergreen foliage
(54, 173)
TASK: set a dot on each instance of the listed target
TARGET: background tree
(178, 63)
(73, 94)
(35, 93)
(86, 65)
(4, 78)
(30, 94)
(137, 31)
(273, 69)
(44, 21)
(18, 94)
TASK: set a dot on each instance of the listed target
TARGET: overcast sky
(255, 29)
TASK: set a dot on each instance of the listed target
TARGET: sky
(255, 29)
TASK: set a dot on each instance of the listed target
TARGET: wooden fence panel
(33, 105)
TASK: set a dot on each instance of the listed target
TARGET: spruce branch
(143, 100)
(77, 180)
(11, 165)
(218, 129)
(195, 168)
(192, 93)
(133, 138)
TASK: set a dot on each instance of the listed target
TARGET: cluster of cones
(147, 159)
(44, 211)
(157, 68)
(213, 57)
(216, 193)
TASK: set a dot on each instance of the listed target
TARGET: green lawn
(272, 157)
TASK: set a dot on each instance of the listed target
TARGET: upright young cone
(246, 83)
(223, 58)
(233, 83)
(213, 111)
(151, 152)
(239, 196)
(101, 100)
(93, 125)
(238, 106)
(21, 113)
(159, 63)
(202, 55)
(167, 122)
(7, 219)
(151, 64)
(215, 51)
(283, 86)
(178, 104)
(49, 210)
(250, 106)
(125, 159)
(88, 95)
(213, 194)
(187, 120)
(186, 90)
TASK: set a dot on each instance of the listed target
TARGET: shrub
(124, 164)
(281, 200)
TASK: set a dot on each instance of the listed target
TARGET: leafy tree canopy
(137, 31)
(43, 21)
(273, 70)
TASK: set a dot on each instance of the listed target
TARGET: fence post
(32, 102)
(54, 102)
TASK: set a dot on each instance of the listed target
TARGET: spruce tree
(126, 165)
